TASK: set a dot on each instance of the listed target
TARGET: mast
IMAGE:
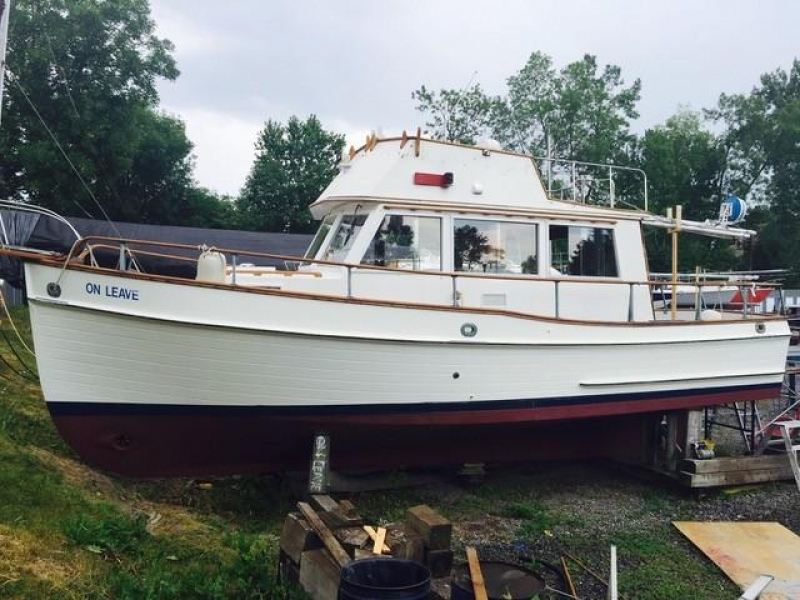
(5, 8)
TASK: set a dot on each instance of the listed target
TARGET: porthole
(469, 329)
(760, 327)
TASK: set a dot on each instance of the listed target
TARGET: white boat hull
(149, 377)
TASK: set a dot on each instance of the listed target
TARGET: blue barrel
(384, 579)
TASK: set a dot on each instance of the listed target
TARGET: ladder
(792, 449)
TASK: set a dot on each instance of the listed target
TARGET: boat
(449, 309)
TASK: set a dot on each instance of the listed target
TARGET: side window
(494, 246)
(345, 236)
(320, 236)
(583, 251)
(407, 242)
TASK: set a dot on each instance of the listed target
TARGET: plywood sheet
(745, 550)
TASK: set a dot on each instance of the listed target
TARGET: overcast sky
(355, 64)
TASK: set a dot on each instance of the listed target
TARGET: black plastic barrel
(502, 580)
(384, 579)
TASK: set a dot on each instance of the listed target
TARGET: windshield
(322, 233)
(345, 237)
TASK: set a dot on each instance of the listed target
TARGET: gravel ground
(582, 508)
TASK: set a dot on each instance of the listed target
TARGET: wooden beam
(331, 543)
(475, 574)
(380, 537)
(374, 535)
(724, 465)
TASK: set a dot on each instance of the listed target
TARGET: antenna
(5, 9)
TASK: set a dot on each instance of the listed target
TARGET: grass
(67, 531)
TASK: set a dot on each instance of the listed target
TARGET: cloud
(355, 63)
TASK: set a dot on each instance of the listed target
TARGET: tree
(293, 164)
(763, 132)
(582, 111)
(89, 68)
(456, 115)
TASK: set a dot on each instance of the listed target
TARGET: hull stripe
(655, 400)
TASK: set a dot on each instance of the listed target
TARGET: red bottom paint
(170, 444)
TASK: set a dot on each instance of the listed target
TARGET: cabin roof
(389, 170)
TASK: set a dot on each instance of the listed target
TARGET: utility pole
(5, 9)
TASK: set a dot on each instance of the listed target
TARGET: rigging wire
(66, 157)
(63, 74)
(17, 356)
(11, 367)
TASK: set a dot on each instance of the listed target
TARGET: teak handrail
(467, 274)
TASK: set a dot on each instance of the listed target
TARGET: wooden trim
(502, 210)
(367, 301)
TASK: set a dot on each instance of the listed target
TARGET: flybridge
(418, 171)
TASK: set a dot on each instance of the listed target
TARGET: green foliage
(685, 164)
(294, 163)
(536, 518)
(582, 110)
(456, 115)
(90, 69)
(107, 530)
(763, 133)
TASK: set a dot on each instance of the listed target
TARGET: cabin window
(320, 236)
(407, 242)
(345, 237)
(494, 246)
(582, 251)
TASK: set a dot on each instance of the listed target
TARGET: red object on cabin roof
(438, 179)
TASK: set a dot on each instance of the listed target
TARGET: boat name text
(112, 291)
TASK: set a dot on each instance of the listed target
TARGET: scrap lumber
(319, 575)
(406, 544)
(725, 471)
(351, 538)
(475, 574)
(333, 546)
(746, 550)
(742, 463)
(433, 527)
(324, 503)
(380, 536)
(332, 514)
(568, 577)
(440, 562)
(374, 536)
(297, 536)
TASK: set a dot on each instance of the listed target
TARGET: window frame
(536, 223)
(588, 225)
(323, 247)
(382, 215)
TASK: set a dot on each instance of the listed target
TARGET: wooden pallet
(719, 472)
